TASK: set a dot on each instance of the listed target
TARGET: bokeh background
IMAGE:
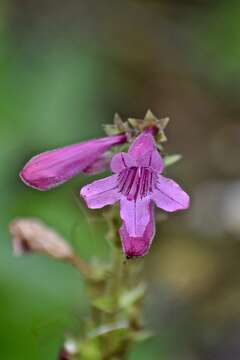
(66, 68)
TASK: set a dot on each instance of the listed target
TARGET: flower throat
(136, 182)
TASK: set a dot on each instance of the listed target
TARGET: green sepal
(172, 159)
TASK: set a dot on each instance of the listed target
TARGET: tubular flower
(138, 185)
(54, 167)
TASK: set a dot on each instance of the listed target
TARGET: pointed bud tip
(33, 183)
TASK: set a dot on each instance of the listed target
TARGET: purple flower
(54, 167)
(137, 184)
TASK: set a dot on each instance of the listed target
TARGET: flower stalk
(115, 290)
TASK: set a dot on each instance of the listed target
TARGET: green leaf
(142, 335)
(172, 159)
(108, 328)
(90, 349)
(130, 297)
(105, 303)
(112, 339)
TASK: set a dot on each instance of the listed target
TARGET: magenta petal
(100, 165)
(54, 167)
(142, 145)
(153, 160)
(169, 196)
(138, 246)
(122, 161)
(135, 214)
(101, 192)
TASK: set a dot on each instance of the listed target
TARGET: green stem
(116, 281)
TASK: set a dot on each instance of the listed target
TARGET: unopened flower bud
(52, 168)
(32, 235)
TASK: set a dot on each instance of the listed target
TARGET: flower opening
(138, 185)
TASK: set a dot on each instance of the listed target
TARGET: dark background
(65, 69)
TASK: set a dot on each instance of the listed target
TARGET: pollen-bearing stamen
(136, 182)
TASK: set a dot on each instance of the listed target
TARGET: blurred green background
(65, 68)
